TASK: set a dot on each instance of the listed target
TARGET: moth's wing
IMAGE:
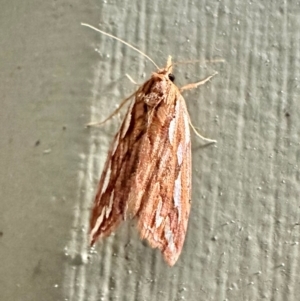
(162, 190)
(114, 185)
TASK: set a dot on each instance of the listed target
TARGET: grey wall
(55, 76)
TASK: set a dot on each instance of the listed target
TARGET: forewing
(162, 189)
(114, 186)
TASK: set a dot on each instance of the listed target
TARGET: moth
(147, 174)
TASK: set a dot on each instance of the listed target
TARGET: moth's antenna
(213, 61)
(127, 44)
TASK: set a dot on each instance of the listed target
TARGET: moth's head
(167, 71)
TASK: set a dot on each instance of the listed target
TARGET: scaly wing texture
(120, 166)
(115, 184)
(162, 188)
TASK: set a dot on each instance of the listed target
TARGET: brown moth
(147, 174)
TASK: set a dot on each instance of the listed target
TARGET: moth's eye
(171, 77)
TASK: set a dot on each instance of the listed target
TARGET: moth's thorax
(159, 88)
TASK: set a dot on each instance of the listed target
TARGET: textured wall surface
(55, 76)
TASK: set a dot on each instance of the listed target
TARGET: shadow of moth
(147, 174)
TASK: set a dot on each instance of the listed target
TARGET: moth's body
(147, 174)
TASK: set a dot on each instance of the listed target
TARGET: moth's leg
(199, 135)
(112, 114)
(195, 85)
(132, 80)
